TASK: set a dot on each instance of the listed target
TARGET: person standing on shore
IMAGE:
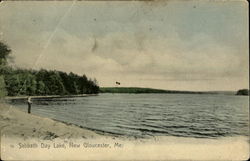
(29, 104)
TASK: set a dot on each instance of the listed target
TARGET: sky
(176, 45)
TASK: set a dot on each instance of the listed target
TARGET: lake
(148, 115)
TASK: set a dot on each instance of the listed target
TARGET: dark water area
(147, 115)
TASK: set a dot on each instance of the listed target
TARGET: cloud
(170, 46)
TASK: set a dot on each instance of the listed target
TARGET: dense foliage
(44, 82)
(2, 87)
(143, 90)
(244, 92)
(15, 82)
(4, 54)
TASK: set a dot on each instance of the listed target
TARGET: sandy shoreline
(16, 123)
(50, 96)
(19, 130)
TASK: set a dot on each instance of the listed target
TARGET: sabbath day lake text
(66, 145)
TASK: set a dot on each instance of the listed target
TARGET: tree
(54, 84)
(40, 88)
(13, 84)
(83, 81)
(2, 87)
(66, 82)
(30, 82)
(244, 92)
(4, 53)
(73, 85)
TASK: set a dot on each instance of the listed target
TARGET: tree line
(14, 82)
(243, 92)
(145, 90)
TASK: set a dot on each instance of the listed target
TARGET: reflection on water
(145, 115)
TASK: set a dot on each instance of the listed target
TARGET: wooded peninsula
(152, 90)
(16, 82)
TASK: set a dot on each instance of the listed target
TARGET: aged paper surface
(124, 80)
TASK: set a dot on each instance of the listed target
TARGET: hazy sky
(194, 45)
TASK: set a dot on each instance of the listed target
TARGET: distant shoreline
(126, 90)
(49, 96)
(141, 90)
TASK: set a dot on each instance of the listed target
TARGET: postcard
(124, 80)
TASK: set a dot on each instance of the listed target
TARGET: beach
(16, 123)
(46, 139)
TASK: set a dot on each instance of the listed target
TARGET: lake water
(147, 115)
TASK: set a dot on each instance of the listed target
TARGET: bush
(244, 92)
(2, 87)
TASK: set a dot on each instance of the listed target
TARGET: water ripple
(142, 115)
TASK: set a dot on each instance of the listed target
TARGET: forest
(145, 90)
(15, 82)
(243, 92)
